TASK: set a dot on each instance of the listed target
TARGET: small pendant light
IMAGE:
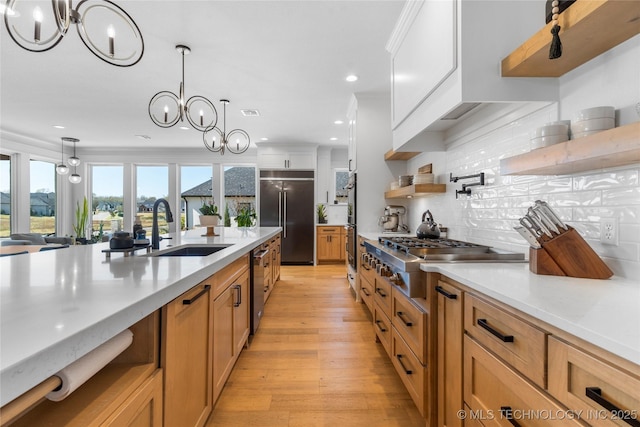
(74, 161)
(61, 168)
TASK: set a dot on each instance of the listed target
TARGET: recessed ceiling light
(338, 122)
(184, 128)
(264, 139)
(352, 78)
(58, 127)
(143, 136)
(333, 139)
(250, 112)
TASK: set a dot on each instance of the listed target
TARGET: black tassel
(555, 51)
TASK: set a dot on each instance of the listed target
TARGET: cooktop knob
(396, 279)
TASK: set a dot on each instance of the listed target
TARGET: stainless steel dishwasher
(259, 268)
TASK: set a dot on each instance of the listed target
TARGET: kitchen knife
(538, 223)
(533, 229)
(528, 236)
(548, 222)
(551, 214)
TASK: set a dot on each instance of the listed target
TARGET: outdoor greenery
(227, 217)
(82, 216)
(322, 212)
(210, 209)
(245, 217)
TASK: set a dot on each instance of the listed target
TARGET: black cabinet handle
(202, 292)
(507, 413)
(440, 290)
(406, 371)
(400, 316)
(382, 294)
(595, 394)
(485, 325)
(366, 292)
(238, 288)
(380, 327)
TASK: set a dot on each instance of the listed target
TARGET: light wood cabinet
(330, 243)
(411, 323)
(449, 364)
(382, 327)
(144, 407)
(604, 393)
(275, 247)
(366, 291)
(412, 373)
(187, 357)
(230, 322)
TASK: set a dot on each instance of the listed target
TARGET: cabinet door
(302, 161)
(276, 264)
(273, 160)
(241, 312)
(187, 350)
(223, 344)
(450, 333)
(143, 408)
(343, 244)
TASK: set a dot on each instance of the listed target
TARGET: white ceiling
(287, 59)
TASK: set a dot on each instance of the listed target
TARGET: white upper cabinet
(286, 157)
(445, 65)
(352, 116)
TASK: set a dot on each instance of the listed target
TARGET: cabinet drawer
(411, 371)
(382, 326)
(411, 323)
(382, 294)
(222, 279)
(491, 389)
(520, 344)
(366, 292)
(323, 231)
(601, 391)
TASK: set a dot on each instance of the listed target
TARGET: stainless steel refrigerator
(287, 201)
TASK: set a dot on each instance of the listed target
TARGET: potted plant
(80, 226)
(227, 216)
(322, 213)
(245, 217)
(210, 215)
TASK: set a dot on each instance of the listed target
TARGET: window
(152, 184)
(107, 200)
(239, 191)
(42, 197)
(5, 195)
(196, 188)
(340, 181)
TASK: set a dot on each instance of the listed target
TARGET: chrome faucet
(155, 234)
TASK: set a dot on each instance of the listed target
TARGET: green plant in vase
(210, 215)
(80, 226)
(321, 210)
(245, 217)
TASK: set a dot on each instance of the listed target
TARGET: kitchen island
(57, 306)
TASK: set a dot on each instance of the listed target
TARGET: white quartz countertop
(56, 306)
(605, 313)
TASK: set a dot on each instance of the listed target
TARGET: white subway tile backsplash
(621, 196)
(606, 180)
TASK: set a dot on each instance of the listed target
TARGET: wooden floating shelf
(607, 149)
(588, 29)
(415, 190)
(399, 155)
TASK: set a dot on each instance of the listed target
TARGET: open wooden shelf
(400, 155)
(415, 190)
(588, 29)
(610, 148)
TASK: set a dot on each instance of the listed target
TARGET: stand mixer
(391, 221)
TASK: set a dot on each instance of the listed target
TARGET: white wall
(489, 215)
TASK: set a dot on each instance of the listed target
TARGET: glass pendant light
(73, 160)
(61, 168)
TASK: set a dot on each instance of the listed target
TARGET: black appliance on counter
(259, 267)
(287, 201)
(352, 231)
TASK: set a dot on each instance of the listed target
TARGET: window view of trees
(152, 183)
(196, 188)
(42, 203)
(239, 191)
(106, 200)
(5, 195)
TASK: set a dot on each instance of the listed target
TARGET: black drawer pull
(238, 288)
(507, 413)
(485, 325)
(382, 294)
(380, 327)
(202, 292)
(399, 314)
(406, 371)
(365, 292)
(595, 394)
(440, 290)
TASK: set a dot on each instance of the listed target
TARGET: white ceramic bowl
(551, 130)
(592, 124)
(581, 134)
(545, 141)
(595, 113)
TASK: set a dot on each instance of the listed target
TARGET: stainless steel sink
(191, 250)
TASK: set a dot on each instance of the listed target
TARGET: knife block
(568, 254)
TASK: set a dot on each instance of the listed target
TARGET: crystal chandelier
(166, 108)
(97, 22)
(236, 141)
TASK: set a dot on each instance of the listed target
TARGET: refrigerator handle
(285, 215)
(279, 208)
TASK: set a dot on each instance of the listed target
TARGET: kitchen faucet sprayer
(155, 234)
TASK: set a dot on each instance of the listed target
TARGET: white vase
(209, 220)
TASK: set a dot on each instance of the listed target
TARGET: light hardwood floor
(314, 362)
